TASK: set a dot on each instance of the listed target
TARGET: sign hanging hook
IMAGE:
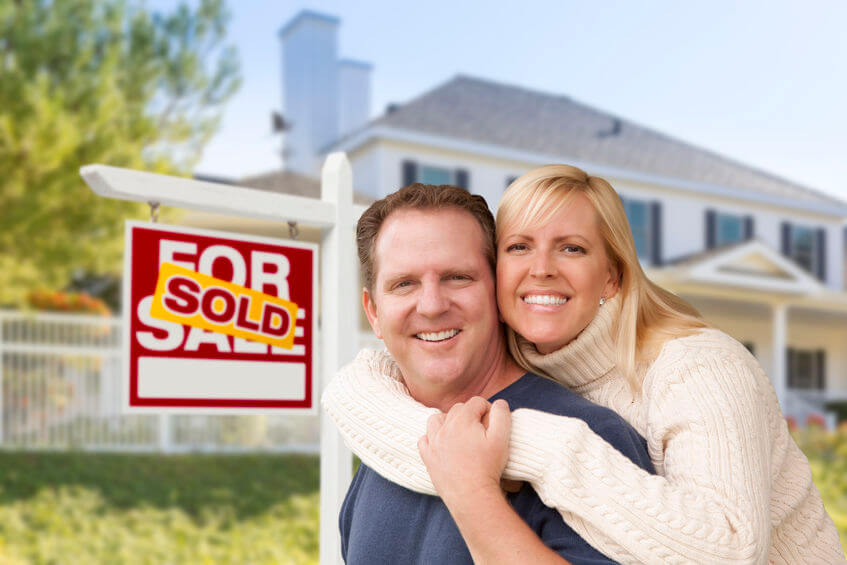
(293, 230)
(154, 211)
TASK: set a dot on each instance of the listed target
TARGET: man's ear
(370, 311)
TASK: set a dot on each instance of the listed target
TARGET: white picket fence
(61, 389)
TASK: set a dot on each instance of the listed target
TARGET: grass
(73, 508)
(58, 508)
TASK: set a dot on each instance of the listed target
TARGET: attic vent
(616, 129)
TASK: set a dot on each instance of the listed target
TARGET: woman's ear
(613, 282)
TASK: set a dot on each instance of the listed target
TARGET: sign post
(335, 215)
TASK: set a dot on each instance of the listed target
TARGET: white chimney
(310, 89)
(354, 102)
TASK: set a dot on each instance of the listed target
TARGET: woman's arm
(710, 505)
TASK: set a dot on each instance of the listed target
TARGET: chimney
(354, 81)
(310, 89)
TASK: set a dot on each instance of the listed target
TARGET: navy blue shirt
(382, 522)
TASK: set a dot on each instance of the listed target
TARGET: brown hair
(419, 196)
(649, 314)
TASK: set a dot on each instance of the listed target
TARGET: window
(806, 246)
(724, 229)
(412, 172)
(435, 175)
(729, 229)
(638, 214)
(803, 247)
(806, 369)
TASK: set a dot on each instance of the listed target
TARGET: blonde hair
(649, 314)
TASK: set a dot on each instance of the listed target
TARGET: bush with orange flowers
(58, 301)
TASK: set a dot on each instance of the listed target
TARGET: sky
(762, 82)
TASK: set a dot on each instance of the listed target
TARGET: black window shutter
(820, 367)
(711, 225)
(822, 254)
(748, 228)
(656, 232)
(462, 177)
(510, 180)
(789, 366)
(410, 172)
(786, 239)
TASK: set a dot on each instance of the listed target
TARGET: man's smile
(442, 335)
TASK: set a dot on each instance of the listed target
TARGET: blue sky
(763, 82)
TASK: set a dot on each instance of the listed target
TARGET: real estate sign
(218, 322)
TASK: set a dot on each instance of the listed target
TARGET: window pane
(803, 247)
(436, 175)
(638, 214)
(730, 229)
(803, 373)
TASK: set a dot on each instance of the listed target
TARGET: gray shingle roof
(482, 111)
(289, 182)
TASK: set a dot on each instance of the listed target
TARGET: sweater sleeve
(711, 505)
(707, 414)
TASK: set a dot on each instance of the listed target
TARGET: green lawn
(78, 508)
(75, 508)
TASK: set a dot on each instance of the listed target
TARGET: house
(761, 257)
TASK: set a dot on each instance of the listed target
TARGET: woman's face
(550, 278)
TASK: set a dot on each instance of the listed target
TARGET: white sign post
(335, 215)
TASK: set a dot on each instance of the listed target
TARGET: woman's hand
(465, 450)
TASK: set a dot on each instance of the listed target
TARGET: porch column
(778, 348)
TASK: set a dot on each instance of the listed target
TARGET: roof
(289, 182)
(751, 265)
(482, 111)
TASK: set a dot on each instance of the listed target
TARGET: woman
(732, 487)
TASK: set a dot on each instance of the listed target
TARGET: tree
(85, 81)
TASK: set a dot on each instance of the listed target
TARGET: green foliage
(92, 508)
(827, 454)
(88, 81)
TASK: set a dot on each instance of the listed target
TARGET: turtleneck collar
(586, 359)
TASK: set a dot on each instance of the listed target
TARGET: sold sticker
(202, 301)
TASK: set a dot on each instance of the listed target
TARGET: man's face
(433, 300)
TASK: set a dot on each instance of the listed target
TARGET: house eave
(381, 132)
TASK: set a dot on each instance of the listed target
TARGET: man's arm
(465, 461)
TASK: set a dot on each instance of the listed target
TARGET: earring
(602, 300)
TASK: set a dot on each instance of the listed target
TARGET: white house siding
(487, 176)
(377, 169)
(684, 223)
(368, 177)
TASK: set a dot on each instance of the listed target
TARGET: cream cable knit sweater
(732, 487)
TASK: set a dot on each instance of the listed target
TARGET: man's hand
(465, 450)
(465, 456)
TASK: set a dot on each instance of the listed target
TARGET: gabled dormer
(749, 265)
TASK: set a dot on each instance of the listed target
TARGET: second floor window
(638, 214)
(724, 229)
(435, 175)
(730, 229)
(413, 171)
(645, 221)
(806, 246)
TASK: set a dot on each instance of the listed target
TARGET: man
(428, 258)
